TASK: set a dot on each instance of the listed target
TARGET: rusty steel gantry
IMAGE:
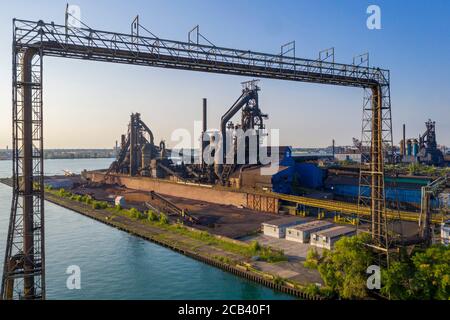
(24, 268)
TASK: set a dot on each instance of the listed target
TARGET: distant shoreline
(6, 154)
(67, 158)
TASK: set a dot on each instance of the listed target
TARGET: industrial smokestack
(204, 114)
(133, 153)
(203, 142)
(404, 140)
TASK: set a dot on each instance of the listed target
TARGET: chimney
(404, 140)
(204, 114)
(203, 143)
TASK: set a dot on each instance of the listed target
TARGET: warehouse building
(301, 233)
(309, 175)
(251, 178)
(404, 189)
(327, 238)
(277, 178)
(277, 228)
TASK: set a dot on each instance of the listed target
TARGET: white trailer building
(327, 238)
(277, 228)
(301, 233)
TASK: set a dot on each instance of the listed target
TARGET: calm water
(116, 265)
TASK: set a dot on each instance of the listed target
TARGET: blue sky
(87, 104)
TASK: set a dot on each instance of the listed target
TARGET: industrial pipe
(246, 96)
(150, 133)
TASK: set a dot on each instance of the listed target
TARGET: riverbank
(227, 254)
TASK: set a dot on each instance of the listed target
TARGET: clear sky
(87, 104)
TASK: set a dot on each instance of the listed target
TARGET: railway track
(352, 209)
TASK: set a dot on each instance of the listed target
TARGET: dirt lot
(229, 221)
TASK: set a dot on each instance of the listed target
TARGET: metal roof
(283, 221)
(335, 231)
(311, 225)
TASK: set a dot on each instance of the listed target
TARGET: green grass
(134, 214)
(279, 280)
(99, 204)
(254, 249)
(151, 216)
(163, 219)
(223, 259)
(87, 199)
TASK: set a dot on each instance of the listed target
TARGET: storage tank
(409, 147)
(415, 147)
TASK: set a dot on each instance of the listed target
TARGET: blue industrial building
(282, 180)
(309, 175)
(402, 189)
(279, 181)
(392, 194)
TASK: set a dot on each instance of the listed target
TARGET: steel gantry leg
(23, 275)
(375, 148)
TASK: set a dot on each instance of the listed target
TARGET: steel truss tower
(24, 271)
(376, 148)
(23, 276)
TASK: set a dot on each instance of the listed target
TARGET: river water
(116, 265)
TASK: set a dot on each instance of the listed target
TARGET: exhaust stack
(404, 140)
(205, 127)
